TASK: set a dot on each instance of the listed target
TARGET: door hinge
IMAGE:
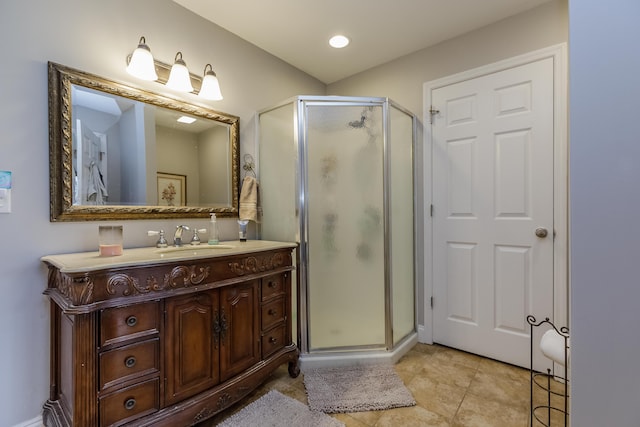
(431, 302)
(431, 210)
(432, 112)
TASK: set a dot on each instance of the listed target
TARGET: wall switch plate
(5, 200)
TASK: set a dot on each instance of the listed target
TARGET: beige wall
(402, 79)
(94, 36)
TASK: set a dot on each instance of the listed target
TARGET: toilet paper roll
(553, 346)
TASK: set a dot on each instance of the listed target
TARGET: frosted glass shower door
(345, 226)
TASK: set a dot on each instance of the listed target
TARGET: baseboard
(35, 422)
(424, 336)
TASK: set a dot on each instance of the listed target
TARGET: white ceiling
(297, 31)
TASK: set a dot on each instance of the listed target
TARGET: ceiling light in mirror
(186, 119)
(339, 41)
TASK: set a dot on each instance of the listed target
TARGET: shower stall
(337, 176)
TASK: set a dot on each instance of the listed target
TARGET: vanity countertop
(91, 261)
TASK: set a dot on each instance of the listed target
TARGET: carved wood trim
(224, 400)
(180, 276)
(78, 289)
(190, 276)
(258, 264)
(130, 284)
(203, 415)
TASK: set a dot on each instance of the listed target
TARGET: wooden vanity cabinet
(166, 344)
(210, 337)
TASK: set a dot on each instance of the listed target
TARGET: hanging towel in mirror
(249, 197)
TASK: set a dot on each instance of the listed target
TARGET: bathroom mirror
(117, 152)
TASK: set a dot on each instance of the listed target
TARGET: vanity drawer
(130, 403)
(129, 362)
(272, 286)
(133, 321)
(272, 313)
(273, 341)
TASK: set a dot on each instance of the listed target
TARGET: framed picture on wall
(172, 189)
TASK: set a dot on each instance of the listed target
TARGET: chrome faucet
(177, 237)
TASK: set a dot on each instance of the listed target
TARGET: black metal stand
(542, 413)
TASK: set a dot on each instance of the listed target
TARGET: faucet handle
(195, 240)
(162, 241)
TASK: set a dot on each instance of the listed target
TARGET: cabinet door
(192, 359)
(240, 338)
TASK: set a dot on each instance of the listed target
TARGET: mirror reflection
(126, 152)
(132, 154)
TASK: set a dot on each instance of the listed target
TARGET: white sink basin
(192, 248)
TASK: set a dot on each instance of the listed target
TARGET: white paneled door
(493, 210)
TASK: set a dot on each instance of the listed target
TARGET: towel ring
(248, 165)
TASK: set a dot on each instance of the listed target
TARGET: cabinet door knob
(272, 284)
(129, 403)
(132, 321)
(130, 362)
(273, 340)
(272, 312)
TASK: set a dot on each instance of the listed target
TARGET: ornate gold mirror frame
(62, 208)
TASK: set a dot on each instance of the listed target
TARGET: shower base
(353, 358)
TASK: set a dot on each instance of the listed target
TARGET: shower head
(356, 124)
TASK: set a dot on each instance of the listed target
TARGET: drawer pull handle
(132, 321)
(273, 340)
(130, 362)
(129, 403)
(272, 312)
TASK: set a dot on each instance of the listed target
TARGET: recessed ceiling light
(186, 119)
(338, 41)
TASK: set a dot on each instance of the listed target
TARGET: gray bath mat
(274, 409)
(356, 389)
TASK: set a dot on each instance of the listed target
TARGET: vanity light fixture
(179, 76)
(210, 88)
(141, 64)
(339, 41)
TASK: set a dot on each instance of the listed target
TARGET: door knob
(541, 232)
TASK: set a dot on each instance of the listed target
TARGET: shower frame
(302, 233)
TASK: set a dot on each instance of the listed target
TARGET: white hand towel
(249, 198)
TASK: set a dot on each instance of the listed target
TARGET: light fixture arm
(178, 59)
(210, 70)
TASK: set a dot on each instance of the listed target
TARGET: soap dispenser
(213, 231)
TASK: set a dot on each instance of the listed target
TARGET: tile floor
(452, 389)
